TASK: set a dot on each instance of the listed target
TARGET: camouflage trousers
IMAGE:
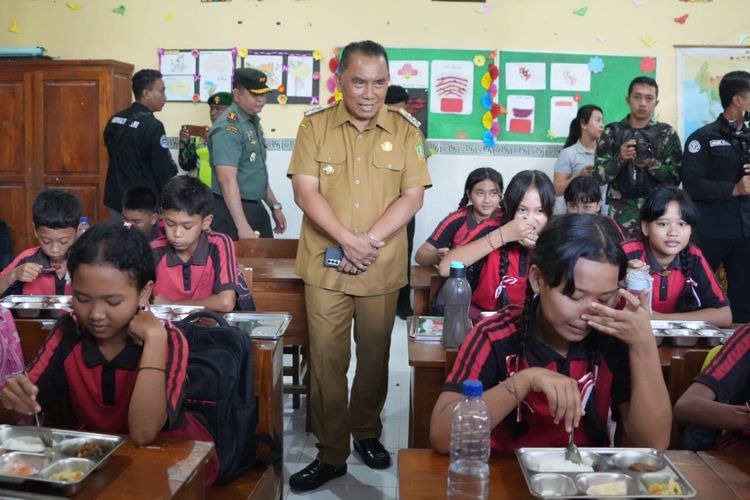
(626, 213)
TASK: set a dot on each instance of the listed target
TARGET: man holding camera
(636, 155)
(716, 173)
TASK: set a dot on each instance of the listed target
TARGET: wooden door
(17, 187)
(69, 130)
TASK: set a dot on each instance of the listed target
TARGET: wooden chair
(281, 249)
(682, 370)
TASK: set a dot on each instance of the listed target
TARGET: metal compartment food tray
(425, 328)
(260, 325)
(61, 457)
(687, 333)
(610, 464)
(173, 312)
(30, 306)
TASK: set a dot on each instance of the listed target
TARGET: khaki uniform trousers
(334, 415)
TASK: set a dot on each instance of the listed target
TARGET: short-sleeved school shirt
(211, 269)
(70, 363)
(573, 158)
(491, 353)
(360, 174)
(669, 283)
(498, 287)
(47, 283)
(236, 140)
(460, 228)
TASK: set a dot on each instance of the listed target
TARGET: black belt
(241, 199)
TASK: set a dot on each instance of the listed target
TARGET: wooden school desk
(423, 474)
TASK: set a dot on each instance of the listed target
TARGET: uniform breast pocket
(389, 166)
(725, 163)
(331, 170)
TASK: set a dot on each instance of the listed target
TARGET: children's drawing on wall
(179, 87)
(570, 77)
(177, 63)
(562, 111)
(417, 107)
(410, 74)
(293, 75)
(521, 110)
(215, 70)
(525, 76)
(452, 87)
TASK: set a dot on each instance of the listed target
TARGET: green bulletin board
(441, 125)
(530, 75)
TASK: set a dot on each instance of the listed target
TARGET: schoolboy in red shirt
(122, 369)
(194, 265)
(42, 270)
(141, 210)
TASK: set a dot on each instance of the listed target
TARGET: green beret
(223, 98)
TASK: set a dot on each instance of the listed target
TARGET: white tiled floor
(361, 482)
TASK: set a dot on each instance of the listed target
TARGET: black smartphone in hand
(333, 257)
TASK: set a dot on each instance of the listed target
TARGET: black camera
(643, 149)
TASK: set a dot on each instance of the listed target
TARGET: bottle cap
(84, 219)
(457, 265)
(472, 388)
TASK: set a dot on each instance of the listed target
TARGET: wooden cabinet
(52, 117)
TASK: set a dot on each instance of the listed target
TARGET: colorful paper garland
(489, 118)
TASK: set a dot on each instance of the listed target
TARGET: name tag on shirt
(718, 142)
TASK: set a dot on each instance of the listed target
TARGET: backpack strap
(205, 314)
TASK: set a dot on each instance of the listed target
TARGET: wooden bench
(258, 483)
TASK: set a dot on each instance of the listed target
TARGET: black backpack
(220, 391)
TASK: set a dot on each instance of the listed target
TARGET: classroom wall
(608, 27)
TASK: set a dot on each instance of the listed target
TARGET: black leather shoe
(373, 453)
(315, 475)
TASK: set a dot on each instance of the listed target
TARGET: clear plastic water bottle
(469, 473)
(83, 226)
(456, 322)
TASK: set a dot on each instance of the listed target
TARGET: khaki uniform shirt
(236, 140)
(360, 175)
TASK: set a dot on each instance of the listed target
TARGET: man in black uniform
(137, 144)
(716, 173)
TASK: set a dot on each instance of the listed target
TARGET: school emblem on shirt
(420, 149)
(386, 146)
(233, 129)
(253, 156)
(163, 141)
(694, 146)
(232, 116)
(328, 170)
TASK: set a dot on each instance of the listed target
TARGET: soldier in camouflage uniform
(636, 155)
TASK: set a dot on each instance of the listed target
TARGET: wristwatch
(276, 206)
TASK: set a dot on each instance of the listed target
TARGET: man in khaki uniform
(359, 173)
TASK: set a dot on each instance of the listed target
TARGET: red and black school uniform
(728, 376)
(157, 230)
(460, 228)
(500, 285)
(47, 283)
(210, 270)
(670, 281)
(70, 364)
(491, 354)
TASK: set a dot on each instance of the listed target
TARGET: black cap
(251, 79)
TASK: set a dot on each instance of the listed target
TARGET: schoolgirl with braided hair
(479, 212)
(684, 286)
(528, 203)
(567, 357)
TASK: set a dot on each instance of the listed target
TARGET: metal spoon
(43, 433)
(571, 452)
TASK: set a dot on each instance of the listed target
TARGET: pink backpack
(11, 357)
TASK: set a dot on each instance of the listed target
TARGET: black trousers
(255, 213)
(735, 255)
(404, 294)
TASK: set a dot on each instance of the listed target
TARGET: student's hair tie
(693, 285)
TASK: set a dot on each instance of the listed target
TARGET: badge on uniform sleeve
(386, 146)
(328, 170)
(420, 149)
(233, 129)
(163, 141)
(694, 146)
(253, 156)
